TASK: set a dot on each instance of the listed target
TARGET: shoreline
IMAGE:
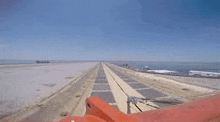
(191, 76)
(180, 68)
(170, 86)
(183, 78)
(207, 82)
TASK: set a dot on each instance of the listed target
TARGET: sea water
(6, 62)
(182, 67)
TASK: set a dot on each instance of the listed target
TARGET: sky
(134, 30)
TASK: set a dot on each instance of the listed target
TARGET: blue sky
(138, 30)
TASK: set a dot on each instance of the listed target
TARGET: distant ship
(42, 61)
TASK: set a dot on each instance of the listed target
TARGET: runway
(115, 87)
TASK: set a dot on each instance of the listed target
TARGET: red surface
(101, 109)
(205, 110)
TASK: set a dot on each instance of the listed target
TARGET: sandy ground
(205, 82)
(26, 85)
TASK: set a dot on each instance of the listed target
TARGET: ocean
(7, 62)
(182, 67)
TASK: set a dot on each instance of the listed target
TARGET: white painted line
(101, 91)
(112, 103)
(142, 88)
(169, 98)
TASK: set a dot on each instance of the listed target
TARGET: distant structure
(168, 72)
(204, 74)
(126, 66)
(38, 61)
(143, 69)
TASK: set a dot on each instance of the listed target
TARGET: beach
(27, 84)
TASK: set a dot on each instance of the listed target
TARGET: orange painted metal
(205, 110)
(96, 107)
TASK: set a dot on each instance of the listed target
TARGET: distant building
(204, 74)
(192, 72)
